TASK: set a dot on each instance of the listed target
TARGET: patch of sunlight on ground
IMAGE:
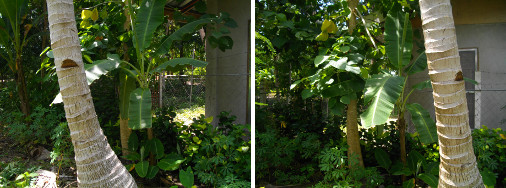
(186, 115)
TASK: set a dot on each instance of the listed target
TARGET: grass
(186, 115)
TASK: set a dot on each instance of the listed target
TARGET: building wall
(485, 31)
(227, 81)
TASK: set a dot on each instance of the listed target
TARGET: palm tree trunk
(458, 163)
(97, 165)
(21, 84)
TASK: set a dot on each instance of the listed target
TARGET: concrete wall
(489, 39)
(227, 81)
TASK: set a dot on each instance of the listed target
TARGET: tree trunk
(458, 163)
(97, 165)
(401, 125)
(354, 150)
(124, 130)
(21, 84)
(351, 112)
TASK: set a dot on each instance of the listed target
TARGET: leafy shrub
(489, 148)
(16, 174)
(63, 150)
(37, 128)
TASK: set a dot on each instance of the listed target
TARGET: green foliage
(35, 129)
(424, 124)
(398, 38)
(139, 111)
(382, 91)
(16, 174)
(186, 177)
(489, 149)
(63, 150)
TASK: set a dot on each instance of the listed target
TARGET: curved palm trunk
(458, 163)
(97, 165)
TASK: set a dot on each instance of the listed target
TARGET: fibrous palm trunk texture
(458, 163)
(97, 165)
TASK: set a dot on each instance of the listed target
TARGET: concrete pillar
(227, 80)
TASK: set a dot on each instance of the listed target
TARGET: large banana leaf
(150, 16)
(126, 86)
(382, 90)
(398, 38)
(179, 61)
(13, 10)
(419, 64)
(178, 35)
(425, 125)
(139, 112)
(95, 71)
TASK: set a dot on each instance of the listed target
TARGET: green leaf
(409, 183)
(320, 59)
(133, 142)
(343, 88)
(423, 85)
(429, 179)
(139, 112)
(142, 168)
(470, 81)
(171, 162)
(382, 91)
(156, 147)
(13, 11)
(414, 157)
(382, 158)
(149, 17)
(306, 94)
(418, 65)
(178, 35)
(431, 167)
(152, 171)
(186, 177)
(488, 177)
(126, 86)
(425, 125)
(397, 34)
(179, 61)
(295, 84)
(343, 64)
(98, 68)
(132, 156)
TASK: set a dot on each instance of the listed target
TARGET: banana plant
(385, 92)
(135, 102)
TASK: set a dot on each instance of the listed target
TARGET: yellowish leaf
(86, 14)
(332, 28)
(502, 136)
(131, 168)
(283, 124)
(326, 24)
(84, 24)
(94, 15)
(322, 36)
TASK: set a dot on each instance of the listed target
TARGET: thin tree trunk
(124, 130)
(351, 113)
(458, 163)
(21, 84)
(354, 150)
(97, 165)
(401, 125)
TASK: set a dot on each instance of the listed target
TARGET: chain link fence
(185, 94)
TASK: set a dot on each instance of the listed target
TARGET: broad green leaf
(323, 36)
(152, 171)
(382, 158)
(409, 183)
(345, 99)
(126, 86)
(398, 31)
(337, 108)
(295, 84)
(414, 157)
(382, 91)
(179, 61)
(306, 94)
(320, 59)
(133, 142)
(156, 147)
(343, 88)
(139, 112)
(422, 85)
(344, 64)
(142, 168)
(149, 17)
(132, 156)
(4, 34)
(98, 68)
(186, 177)
(418, 65)
(488, 177)
(425, 125)
(470, 81)
(13, 11)
(95, 71)
(178, 35)
(429, 179)
(431, 167)
(172, 162)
